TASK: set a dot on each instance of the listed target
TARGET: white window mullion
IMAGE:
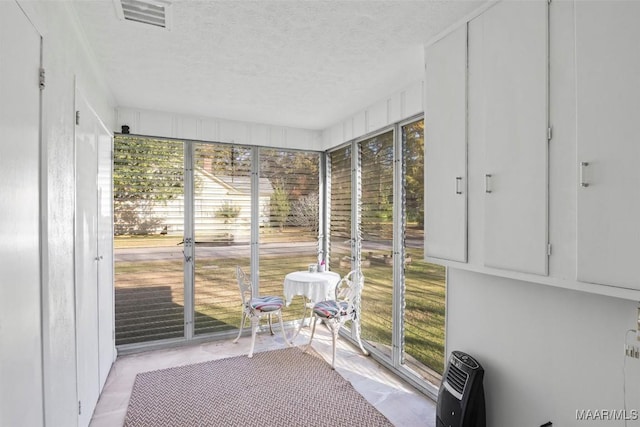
(398, 247)
(255, 219)
(356, 216)
(356, 207)
(323, 208)
(189, 241)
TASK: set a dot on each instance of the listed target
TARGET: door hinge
(79, 407)
(549, 249)
(41, 78)
(549, 133)
(77, 117)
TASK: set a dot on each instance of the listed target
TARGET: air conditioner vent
(456, 378)
(151, 12)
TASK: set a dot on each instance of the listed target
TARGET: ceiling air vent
(151, 12)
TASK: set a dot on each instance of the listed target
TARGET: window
(149, 227)
(339, 207)
(289, 217)
(376, 212)
(424, 290)
(376, 239)
(187, 213)
(221, 232)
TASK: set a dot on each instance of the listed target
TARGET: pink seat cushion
(329, 309)
(267, 303)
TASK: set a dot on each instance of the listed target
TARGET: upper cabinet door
(446, 148)
(22, 315)
(608, 111)
(514, 69)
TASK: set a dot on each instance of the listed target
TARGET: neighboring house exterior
(222, 209)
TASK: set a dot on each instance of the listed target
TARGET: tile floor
(399, 402)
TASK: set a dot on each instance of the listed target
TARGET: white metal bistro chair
(254, 308)
(345, 307)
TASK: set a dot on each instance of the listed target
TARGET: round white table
(313, 286)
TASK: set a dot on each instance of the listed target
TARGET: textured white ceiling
(306, 64)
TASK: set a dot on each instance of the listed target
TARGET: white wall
(170, 125)
(65, 57)
(398, 106)
(547, 351)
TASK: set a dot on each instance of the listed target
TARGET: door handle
(458, 182)
(583, 183)
(487, 183)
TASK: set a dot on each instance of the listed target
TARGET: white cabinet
(94, 258)
(513, 86)
(495, 79)
(106, 319)
(446, 147)
(608, 160)
(21, 379)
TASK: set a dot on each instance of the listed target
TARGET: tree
(280, 207)
(295, 171)
(146, 174)
(414, 160)
(228, 212)
(223, 160)
(305, 212)
(377, 156)
(294, 176)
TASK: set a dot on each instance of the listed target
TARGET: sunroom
(473, 160)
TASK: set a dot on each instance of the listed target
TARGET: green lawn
(150, 299)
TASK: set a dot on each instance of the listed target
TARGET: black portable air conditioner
(461, 395)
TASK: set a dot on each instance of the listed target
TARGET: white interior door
(86, 260)
(608, 90)
(106, 338)
(446, 148)
(515, 86)
(20, 294)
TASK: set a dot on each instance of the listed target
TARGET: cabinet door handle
(458, 182)
(583, 183)
(487, 183)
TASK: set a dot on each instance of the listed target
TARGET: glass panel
(339, 188)
(376, 230)
(289, 217)
(222, 233)
(424, 282)
(148, 208)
